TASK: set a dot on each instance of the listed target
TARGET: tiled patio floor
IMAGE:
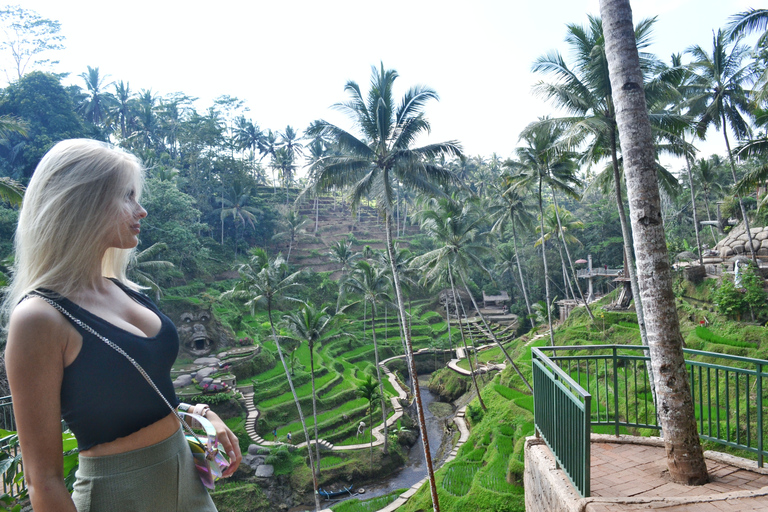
(640, 471)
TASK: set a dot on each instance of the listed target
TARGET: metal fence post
(759, 415)
(615, 391)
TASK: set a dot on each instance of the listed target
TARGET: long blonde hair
(68, 212)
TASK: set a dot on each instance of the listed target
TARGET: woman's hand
(229, 443)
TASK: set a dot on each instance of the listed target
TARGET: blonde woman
(78, 224)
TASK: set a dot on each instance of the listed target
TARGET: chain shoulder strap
(122, 352)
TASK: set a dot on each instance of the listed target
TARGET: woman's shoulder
(34, 322)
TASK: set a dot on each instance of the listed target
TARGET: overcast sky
(289, 60)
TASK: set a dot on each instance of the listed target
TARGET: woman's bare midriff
(152, 434)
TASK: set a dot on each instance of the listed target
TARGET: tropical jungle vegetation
(334, 250)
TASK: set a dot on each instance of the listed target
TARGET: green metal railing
(562, 418)
(727, 392)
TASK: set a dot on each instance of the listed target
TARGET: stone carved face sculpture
(196, 333)
(200, 332)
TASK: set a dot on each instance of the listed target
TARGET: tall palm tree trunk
(317, 212)
(709, 218)
(314, 406)
(464, 341)
(493, 336)
(570, 260)
(472, 343)
(520, 271)
(411, 362)
(381, 383)
(567, 286)
(693, 207)
(675, 406)
(738, 196)
(629, 258)
(298, 407)
(546, 271)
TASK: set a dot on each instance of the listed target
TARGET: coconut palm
(745, 22)
(284, 165)
(266, 283)
(294, 225)
(686, 462)
(559, 225)
(456, 228)
(11, 191)
(313, 325)
(706, 172)
(367, 389)
(372, 164)
(236, 206)
(97, 102)
(247, 136)
(122, 108)
(539, 164)
(408, 280)
(510, 210)
(585, 92)
(717, 96)
(317, 151)
(373, 283)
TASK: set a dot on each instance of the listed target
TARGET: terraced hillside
(336, 222)
(340, 367)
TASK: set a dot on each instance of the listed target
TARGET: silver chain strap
(122, 352)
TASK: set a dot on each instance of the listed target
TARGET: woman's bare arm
(38, 337)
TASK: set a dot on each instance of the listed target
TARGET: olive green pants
(158, 478)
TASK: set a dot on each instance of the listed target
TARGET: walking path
(378, 432)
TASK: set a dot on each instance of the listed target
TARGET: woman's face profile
(127, 224)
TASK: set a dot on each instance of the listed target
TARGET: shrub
(475, 413)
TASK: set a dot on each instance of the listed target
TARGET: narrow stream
(415, 468)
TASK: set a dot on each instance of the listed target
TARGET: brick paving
(627, 473)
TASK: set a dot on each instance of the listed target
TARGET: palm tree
(751, 20)
(372, 283)
(143, 262)
(294, 224)
(511, 210)
(317, 151)
(745, 22)
(705, 173)
(717, 97)
(537, 165)
(341, 252)
(313, 325)
(585, 92)
(559, 224)
(265, 283)
(675, 406)
(367, 390)
(289, 140)
(375, 162)
(123, 107)
(97, 103)
(11, 191)
(247, 136)
(283, 164)
(236, 206)
(456, 228)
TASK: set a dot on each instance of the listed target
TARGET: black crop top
(103, 396)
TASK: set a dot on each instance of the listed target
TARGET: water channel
(437, 416)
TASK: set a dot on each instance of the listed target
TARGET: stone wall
(547, 488)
